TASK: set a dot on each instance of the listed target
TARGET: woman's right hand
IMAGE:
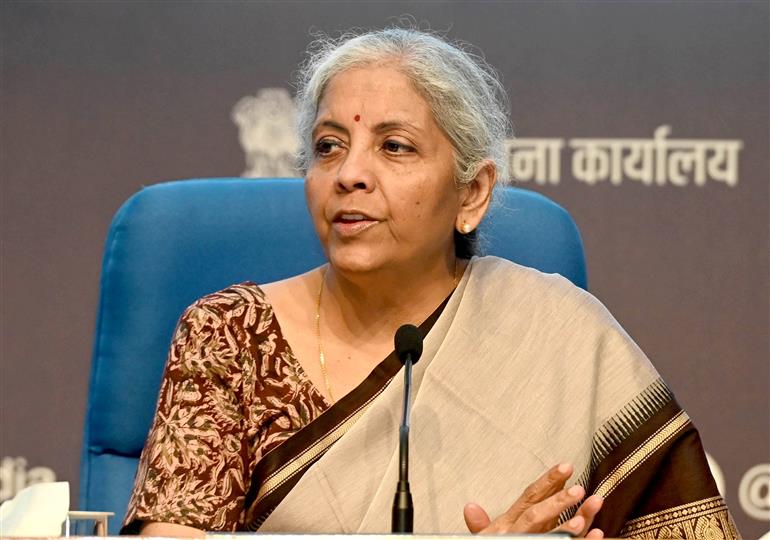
(538, 509)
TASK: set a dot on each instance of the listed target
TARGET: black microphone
(408, 343)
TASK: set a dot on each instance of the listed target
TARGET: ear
(475, 198)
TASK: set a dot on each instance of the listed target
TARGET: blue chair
(174, 242)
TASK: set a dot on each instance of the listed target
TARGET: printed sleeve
(194, 468)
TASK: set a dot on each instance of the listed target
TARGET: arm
(194, 466)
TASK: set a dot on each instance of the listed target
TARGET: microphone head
(408, 343)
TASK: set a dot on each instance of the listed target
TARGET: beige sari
(521, 371)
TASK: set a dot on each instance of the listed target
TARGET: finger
(588, 510)
(595, 533)
(581, 521)
(544, 515)
(548, 484)
(572, 527)
(476, 518)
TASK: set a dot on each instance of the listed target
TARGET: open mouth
(347, 224)
(351, 218)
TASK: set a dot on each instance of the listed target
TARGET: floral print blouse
(232, 391)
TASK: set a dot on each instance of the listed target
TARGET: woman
(291, 427)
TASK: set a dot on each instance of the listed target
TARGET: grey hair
(464, 92)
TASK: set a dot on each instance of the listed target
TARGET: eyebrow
(379, 128)
(330, 124)
(385, 126)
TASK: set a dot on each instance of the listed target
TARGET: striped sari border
(616, 429)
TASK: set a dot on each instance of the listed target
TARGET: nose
(356, 172)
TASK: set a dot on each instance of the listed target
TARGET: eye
(326, 146)
(396, 147)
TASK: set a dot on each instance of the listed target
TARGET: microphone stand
(403, 510)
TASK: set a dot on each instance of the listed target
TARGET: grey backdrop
(98, 99)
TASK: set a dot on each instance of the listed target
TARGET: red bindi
(357, 117)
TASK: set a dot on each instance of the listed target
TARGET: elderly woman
(277, 411)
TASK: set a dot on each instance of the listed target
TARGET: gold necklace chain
(457, 278)
(321, 355)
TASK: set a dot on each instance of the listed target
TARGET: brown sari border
(279, 470)
(625, 424)
(653, 443)
(657, 469)
(706, 518)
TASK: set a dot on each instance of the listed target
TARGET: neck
(362, 308)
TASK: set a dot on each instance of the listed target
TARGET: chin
(349, 260)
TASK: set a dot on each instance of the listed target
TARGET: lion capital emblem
(266, 133)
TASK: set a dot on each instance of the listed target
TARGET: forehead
(376, 93)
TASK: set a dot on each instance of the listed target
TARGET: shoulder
(561, 312)
(225, 303)
(224, 320)
(245, 311)
(216, 331)
(531, 289)
(550, 319)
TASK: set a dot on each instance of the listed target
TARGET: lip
(352, 211)
(352, 228)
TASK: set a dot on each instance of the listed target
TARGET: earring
(466, 228)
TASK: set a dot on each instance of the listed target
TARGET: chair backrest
(174, 242)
